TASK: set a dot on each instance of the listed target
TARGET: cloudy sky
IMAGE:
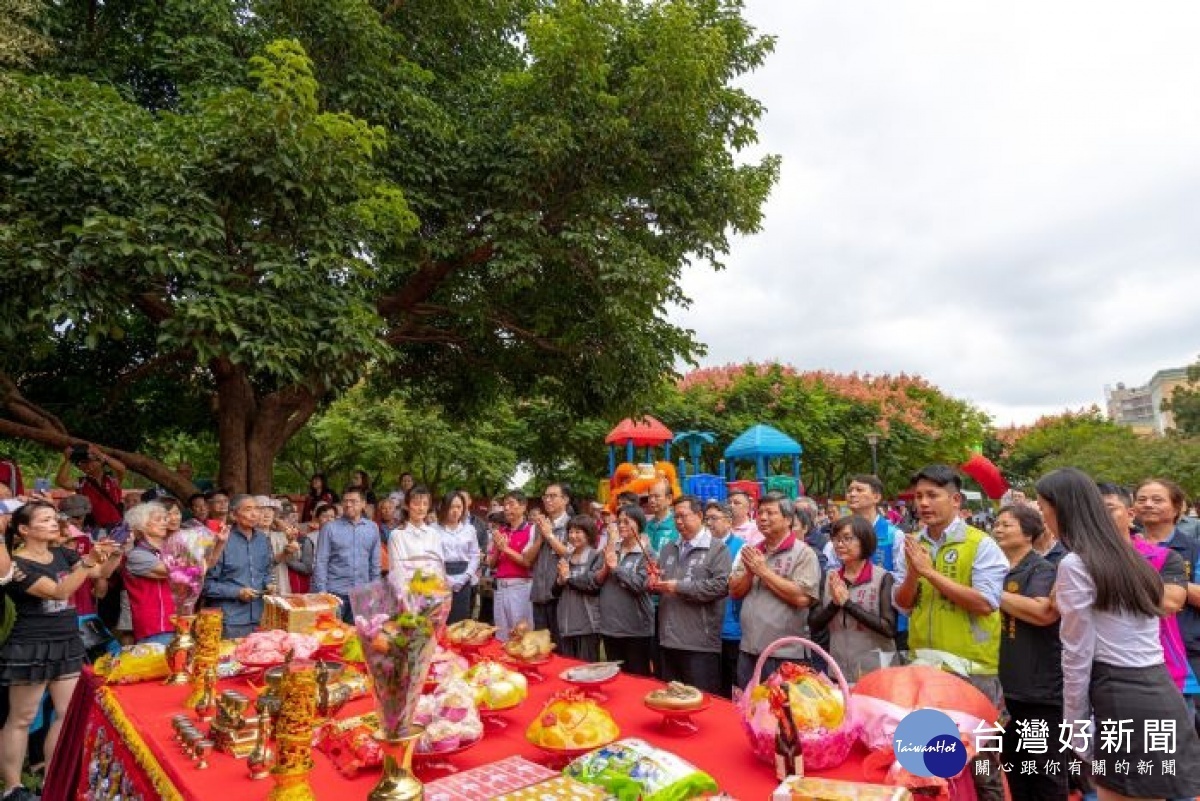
(1002, 198)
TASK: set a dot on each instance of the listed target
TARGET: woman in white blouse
(460, 552)
(1114, 674)
(416, 538)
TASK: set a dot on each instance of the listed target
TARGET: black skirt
(1141, 695)
(40, 661)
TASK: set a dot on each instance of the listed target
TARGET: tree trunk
(252, 430)
(235, 409)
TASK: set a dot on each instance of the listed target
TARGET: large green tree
(1105, 450)
(246, 206)
(1184, 403)
(386, 435)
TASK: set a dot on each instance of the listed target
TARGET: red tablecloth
(719, 747)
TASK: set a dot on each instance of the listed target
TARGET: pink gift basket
(824, 748)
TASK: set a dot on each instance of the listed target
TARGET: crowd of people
(1076, 610)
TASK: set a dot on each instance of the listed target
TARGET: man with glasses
(242, 574)
(718, 518)
(550, 546)
(692, 586)
(347, 552)
(778, 581)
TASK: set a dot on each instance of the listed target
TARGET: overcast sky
(1002, 198)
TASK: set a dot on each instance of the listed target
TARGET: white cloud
(1000, 198)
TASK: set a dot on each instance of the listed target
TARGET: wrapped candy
(634, 769)
(351, 744)
(450, 718)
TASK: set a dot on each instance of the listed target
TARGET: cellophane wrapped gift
(397, 621)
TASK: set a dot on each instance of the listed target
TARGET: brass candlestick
(206, 704)
(262, 758)
(398, 782)
(179, 652)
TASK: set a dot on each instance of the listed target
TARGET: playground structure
(761, 445)
(758, 445)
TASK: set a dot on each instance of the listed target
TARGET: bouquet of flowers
(398, 622)
(184, 555)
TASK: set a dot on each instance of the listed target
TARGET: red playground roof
(645, 432)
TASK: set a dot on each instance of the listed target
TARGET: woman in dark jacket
(578, 591)
(626, 612)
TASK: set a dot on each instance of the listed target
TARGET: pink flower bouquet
(184, 556)
(397, 621)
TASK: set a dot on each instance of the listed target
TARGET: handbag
(97, 639)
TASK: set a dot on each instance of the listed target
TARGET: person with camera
(100, 483)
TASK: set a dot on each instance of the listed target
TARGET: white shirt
(1119, 639)
(413, 541)
(460, 544)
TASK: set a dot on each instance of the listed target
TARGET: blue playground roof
(762, 440)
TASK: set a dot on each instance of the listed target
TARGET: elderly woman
(283, 541)
(44, 650)
(151, 604)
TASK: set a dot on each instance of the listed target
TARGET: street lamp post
(873, 439)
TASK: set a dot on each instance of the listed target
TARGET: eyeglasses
(713, 518)
(844, 538)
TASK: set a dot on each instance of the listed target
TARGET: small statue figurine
(206, 707)
(262, 758)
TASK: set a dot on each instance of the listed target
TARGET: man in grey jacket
(549, 547)
(692, 584)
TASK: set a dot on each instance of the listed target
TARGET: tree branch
(25, 410)
(152, 469)
(529, 336)
(124, 380)
(154, 307)
(427, 279)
